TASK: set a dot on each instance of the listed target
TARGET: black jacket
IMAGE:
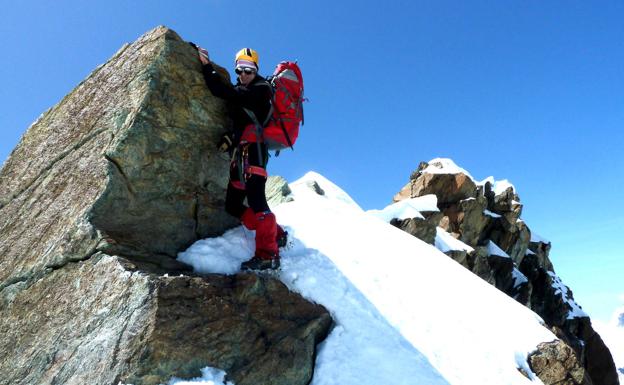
(255, 97)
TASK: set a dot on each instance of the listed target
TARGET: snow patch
(444, 166)
(493, 249)
(445, 242)
(301, 188)
(498, 186)
(518, 277)
(535, 238)
(210, 376)
(491, 214)
(407, 208)
(222, 255)
(575, 310)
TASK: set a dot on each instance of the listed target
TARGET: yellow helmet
(245, 57)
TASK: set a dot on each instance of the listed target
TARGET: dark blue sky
(529, 91)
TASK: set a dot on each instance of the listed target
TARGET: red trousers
(248, 180)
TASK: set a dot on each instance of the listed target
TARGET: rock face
(120, 165)
(418, 227)
(447, 187)
(277, 190)
(131, 326)
(95, 202)
(502, 250)
(556, 363)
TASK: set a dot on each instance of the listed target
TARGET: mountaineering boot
(248, 219)
(267, 254)
(257, 263)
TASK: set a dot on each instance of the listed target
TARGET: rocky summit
(100, 195)
(492, 241)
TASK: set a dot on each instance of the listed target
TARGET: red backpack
(282, 127)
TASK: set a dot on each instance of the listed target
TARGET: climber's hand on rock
(225, 144)
(203, 55)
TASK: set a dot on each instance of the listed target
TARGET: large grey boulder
(123, 164)
(96, 201)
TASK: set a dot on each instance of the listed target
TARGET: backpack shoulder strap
(262, 82)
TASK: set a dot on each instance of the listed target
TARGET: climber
(250, 95)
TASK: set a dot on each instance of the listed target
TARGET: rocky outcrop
(277, 191)
(502, 250)
(555, 364)
(102, 321)
(418, 227)
(448, 187)
(95, 202)
(122, 165)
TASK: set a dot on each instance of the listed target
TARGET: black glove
(226, 142)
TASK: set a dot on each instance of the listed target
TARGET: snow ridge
(405, 313)
(408, 208)
(444, 166)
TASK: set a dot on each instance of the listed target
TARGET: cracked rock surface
(123, 164)
(100, 194)
(102, 321)
(555, 363)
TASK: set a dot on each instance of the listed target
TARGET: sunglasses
(246, 70)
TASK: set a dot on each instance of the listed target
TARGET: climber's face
(245, 75)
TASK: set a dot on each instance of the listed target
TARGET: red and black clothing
(248, 167)
(255, 97)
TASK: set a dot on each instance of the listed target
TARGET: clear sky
(529, 91)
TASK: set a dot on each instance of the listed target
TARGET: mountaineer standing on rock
(248, 100)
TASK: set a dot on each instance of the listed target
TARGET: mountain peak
(106, 188)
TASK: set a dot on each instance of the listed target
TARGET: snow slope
(405, 313)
